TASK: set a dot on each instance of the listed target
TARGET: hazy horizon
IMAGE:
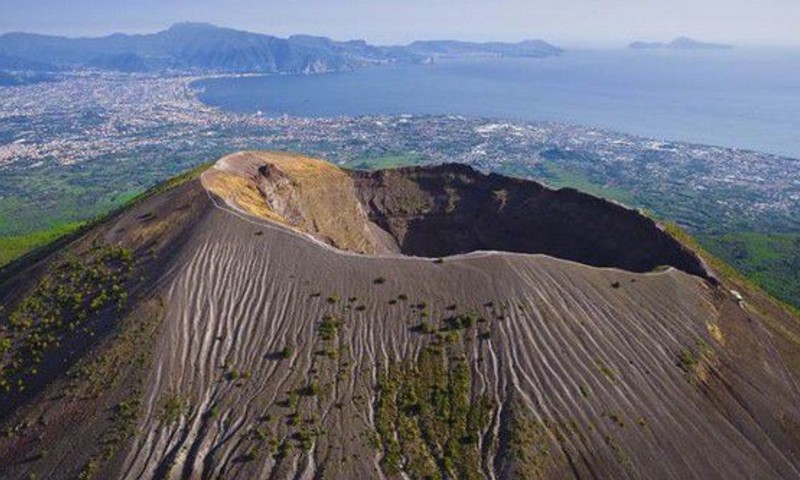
(570, 23)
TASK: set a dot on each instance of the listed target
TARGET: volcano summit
(275, 316)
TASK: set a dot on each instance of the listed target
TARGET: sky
(567, 22)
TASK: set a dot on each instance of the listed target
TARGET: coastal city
(150, 127)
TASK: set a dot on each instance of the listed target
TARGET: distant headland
(680, 43)
(205, 48)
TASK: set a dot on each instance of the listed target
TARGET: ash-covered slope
(271, 327)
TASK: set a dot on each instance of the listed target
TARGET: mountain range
(276, 316)
(207, 48)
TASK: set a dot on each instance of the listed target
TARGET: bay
(744, 98)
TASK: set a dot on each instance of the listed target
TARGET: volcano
(276, 316)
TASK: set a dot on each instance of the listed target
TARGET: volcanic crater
(445, 210)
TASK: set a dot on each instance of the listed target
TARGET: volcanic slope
(278, 317)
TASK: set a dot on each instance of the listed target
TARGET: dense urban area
(73, 148)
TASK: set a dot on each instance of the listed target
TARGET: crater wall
(451, 209)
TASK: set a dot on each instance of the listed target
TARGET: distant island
(200, 47)
(452, 48)
(680, 43)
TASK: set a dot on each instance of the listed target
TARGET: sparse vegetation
(694, 362)
(128, 356)
(310, 390)
(460, 322)
(620, 455)
(687, 361)
(61, 306)
(424, 327)
(304, 439)
(427, 422)
(173, 408)
(89, 470)
(528, 447)
(328, 327)
(608, 372)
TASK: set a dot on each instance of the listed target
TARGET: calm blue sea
(748, 98)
